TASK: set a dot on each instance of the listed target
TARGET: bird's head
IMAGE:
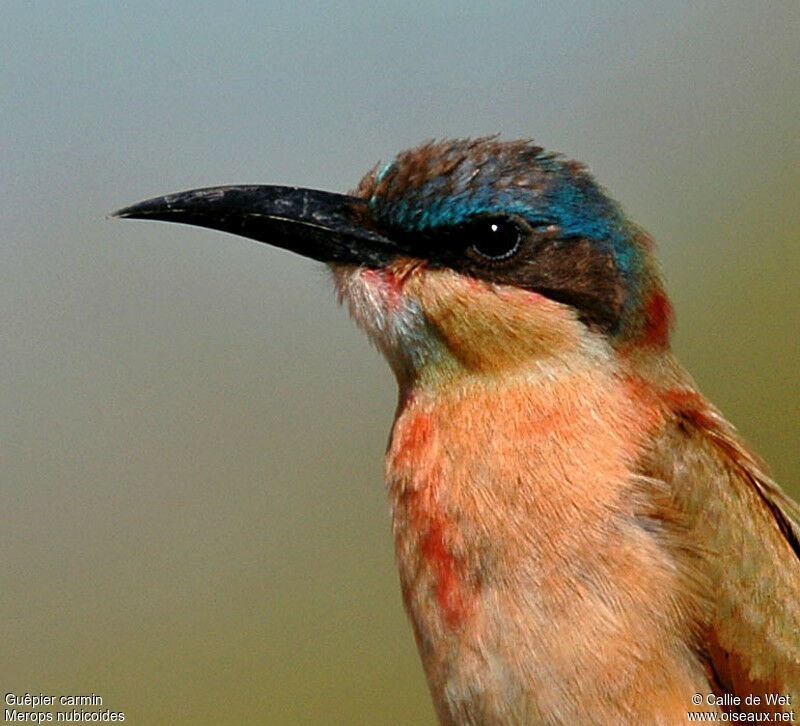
(463, 255)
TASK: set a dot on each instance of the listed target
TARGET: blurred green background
(192, 519)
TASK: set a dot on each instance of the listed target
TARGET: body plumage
(581, 536)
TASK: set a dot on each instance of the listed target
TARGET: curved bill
(322, 225)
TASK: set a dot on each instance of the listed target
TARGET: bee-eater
(582, 538)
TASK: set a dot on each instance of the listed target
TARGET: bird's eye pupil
(496, 239)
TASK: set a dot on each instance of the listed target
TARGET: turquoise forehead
(539, 187)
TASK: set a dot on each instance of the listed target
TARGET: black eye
(495, 238)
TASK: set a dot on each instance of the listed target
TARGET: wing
(748, 533)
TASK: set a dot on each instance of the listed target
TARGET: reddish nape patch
(657, 319)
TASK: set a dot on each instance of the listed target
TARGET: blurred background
(192, 519)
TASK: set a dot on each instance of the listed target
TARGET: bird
(581, 536)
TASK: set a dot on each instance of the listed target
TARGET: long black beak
(321, 225)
